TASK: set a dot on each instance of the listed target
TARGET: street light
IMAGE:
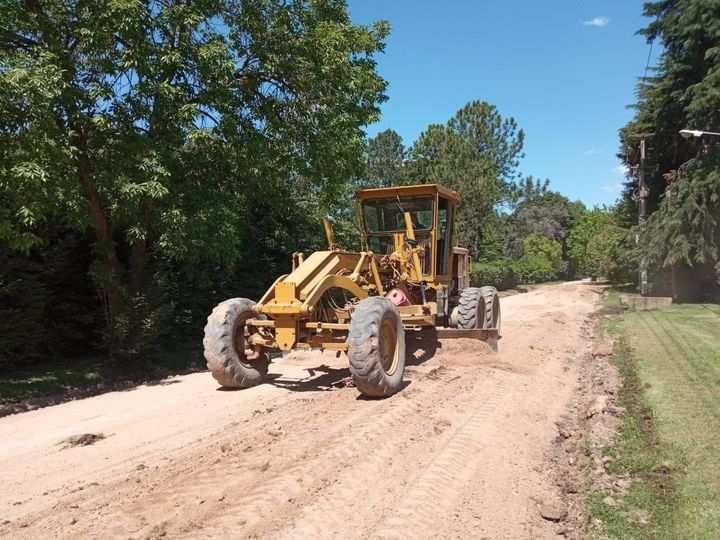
(687, 133)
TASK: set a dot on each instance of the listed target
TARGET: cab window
(444, 235)
(387, 215)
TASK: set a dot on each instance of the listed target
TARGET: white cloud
(621, 170)
(599, 22)
(590, 152)
(613, 188)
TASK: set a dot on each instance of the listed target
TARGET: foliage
(608, 255)
(541, 260)
(681, 93)
(476, 153)
(499, 273)
(685, 230)
(590, 225)
(385, 160)
(542, 247)
(531, 269)
(48, 306)
(599, 247)
(204, 134)
(541, 212)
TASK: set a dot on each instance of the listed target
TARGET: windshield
(386, 215)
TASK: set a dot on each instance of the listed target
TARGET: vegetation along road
(466, 444)
(669, 440)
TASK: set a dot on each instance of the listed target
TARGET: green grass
(670, 438)
(64, 379)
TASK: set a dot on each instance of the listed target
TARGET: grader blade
(489, 335)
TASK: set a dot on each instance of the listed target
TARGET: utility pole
(643, 194)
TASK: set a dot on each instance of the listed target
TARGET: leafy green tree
(686, 228)
(608, 254)
(681, 92)
(678, 92)
(541, 211)
(541, 260)
(180, 132)
(592, 224)
(386, 157)
(538, 246)
(477, 154)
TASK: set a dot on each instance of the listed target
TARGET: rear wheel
(229, 357)
(479, 308)
(376, 347)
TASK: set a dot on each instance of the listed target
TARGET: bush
(535, 269)
(537, 248)
(498, 273)
(611, 254)
(48, 305)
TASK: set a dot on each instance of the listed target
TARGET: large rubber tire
(479, 308)
(224, 345)
(376, 347)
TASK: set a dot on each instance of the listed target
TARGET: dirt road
(461, 452)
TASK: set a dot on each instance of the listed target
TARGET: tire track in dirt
(192, 472)
(192, 478)
(449, 456)
(218, 474)
(434, 492)
(76, 487)
(305, 476)
(378, 469)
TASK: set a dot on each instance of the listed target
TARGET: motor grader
(408, 276)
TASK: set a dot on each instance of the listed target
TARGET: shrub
(537, 247)
(535, 269)
(610, 254)
(499, 273)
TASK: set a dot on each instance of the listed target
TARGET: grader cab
(408, 276)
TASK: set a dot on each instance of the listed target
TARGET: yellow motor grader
(409, 276)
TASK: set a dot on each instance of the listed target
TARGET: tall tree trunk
(103, 235)
(139, 251)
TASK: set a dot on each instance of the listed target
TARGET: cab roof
(408, 191)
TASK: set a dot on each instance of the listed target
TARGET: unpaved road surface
(461, 452)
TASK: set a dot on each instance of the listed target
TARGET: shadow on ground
(420, 346)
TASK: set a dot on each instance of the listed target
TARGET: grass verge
(669, 443)
(61, 380)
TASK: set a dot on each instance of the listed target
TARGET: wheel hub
(388, 345)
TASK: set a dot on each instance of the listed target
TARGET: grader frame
(418, 279)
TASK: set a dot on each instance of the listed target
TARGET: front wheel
(479, 307)
(376, 347)
(226, 350)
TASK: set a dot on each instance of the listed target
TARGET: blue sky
(566, 73)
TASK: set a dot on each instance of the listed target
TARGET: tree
(177, 131)
(608, 254)
(537, 210)
(591, 225)
(477, 154)
(541, 260)
(386, 157)
(681, 93)
(528, 189)
(540, 246)
(686, 228)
